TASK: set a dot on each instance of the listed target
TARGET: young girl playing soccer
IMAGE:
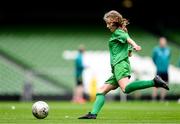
(119, 44)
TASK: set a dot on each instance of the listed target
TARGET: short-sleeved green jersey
(118, 46)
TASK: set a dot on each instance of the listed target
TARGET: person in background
(161, 58)
(178, 64)
(79, 67)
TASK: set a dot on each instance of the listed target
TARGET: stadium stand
(40, 50)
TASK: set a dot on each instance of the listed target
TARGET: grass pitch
(112, 113)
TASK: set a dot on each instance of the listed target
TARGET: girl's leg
(136, 85)
(99, 102)
(100, 97)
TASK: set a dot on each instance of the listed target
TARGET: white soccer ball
(40, 109)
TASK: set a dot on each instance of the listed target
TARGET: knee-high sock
(99, 102)
(136, 85)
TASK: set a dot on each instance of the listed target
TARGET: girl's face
(110, 24)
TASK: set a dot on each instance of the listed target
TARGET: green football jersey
(118, 46)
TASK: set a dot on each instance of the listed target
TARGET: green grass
(112, 113)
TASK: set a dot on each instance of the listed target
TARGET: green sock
(136, 85)
(100, 98)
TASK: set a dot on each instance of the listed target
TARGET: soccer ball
(40, 109)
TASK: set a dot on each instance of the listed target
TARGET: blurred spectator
(28, 87)
(79, 67)
(178, 64)
(161, 58)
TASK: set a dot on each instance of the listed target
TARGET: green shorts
(120, 70)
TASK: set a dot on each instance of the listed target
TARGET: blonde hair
(117, 19)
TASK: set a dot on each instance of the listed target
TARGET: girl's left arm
(134, 45)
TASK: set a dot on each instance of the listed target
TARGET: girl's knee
(123, 89)
(123, 83)
(106, 88)
(101, 90)
(125, 92)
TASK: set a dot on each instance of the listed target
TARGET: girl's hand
(137, 48)
(133, 43)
